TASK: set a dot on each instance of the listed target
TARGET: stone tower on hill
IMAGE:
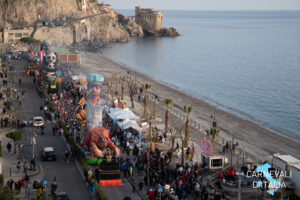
(149, 19)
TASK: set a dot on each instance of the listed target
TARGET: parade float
(94, 139)
(48, 66)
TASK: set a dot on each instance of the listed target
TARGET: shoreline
(237, 113)
(260, 142)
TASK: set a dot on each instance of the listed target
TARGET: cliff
(84, 20)
(24, 13)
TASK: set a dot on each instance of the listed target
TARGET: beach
(260, 143)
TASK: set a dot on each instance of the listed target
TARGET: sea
(244, 62)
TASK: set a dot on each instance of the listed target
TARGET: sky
(206, 4)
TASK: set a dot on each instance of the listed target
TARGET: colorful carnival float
(95, 139)
(49, 66)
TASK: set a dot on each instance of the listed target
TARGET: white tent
(131, 124)
(118, 113)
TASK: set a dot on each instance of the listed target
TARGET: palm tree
(188, 110)
(168, 102)
(212, 133)
(146, 87)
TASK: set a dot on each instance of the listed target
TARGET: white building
(294, 164)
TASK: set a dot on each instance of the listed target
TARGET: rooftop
(287, 158)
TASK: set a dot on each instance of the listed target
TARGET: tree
(183, 139)
(168, 102)
(115, 81)
(132, 87)
(15, 136)
(188, 110)
(149, 118)
(122, 80)
(212, 133)
(174, 135)
(146, 87)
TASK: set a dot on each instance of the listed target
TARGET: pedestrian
(19, 167)
(8, 146)
(141, 185)
(53, 130)
(133, 185)
(27, 179)
(67, 156)
(25, 167)
(93, 189)
(32, 164)
(42, 129)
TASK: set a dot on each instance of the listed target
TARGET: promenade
(69, 178)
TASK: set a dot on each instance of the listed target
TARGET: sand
(260, 142)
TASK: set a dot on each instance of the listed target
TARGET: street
(68, 177)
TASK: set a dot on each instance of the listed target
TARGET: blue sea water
(246, 62)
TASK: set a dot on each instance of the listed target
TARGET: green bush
(29, 40)
(5, 192)
(7, 104)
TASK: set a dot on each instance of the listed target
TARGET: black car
(62, 196)
(48, 153)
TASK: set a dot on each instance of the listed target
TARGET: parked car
(62, 196)
(48, 153)
(38, 121)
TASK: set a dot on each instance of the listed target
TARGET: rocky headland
(84, 20)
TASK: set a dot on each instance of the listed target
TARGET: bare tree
(149, 118)
(174, 135)
(122, 81)
(132, 87)
(109, 84)
(183, 138)
(115, 80)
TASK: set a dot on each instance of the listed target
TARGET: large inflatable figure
(97, 146)
(96, 137)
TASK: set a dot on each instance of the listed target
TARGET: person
(67, 155)
(20, 81)
(93, 189)
(133, 185)
(53, 189)
(42, 129)
(32, 164)
(8, 146)
(19, 167)
(27, 179)
(25, 167)
(141, 185)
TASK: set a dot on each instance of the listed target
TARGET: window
(216, 162)
(18, 34)
(25, 34)
(10, 34)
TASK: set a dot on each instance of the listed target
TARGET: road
(68, 177)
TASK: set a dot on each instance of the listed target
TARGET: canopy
(131, 124)
(118, 113)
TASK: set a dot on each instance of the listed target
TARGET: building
(40, 23)
(292, 164)
(148, 18)
(12, 35)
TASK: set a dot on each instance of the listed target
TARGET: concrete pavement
(68, 178)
